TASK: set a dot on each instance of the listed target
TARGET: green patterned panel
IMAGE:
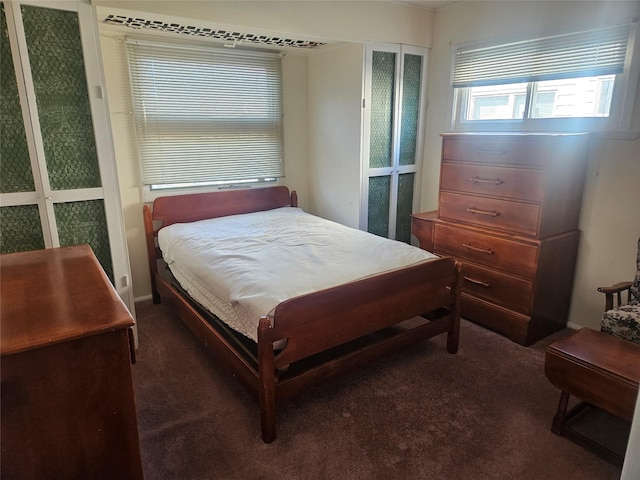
(382, 86)
(15, 163)
(85, 222)
(412, 75)
(57, 67)
(20, 229)
(378, 215)
(406, 182)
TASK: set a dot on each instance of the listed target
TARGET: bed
(299, 339)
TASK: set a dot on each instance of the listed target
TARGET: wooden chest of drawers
(509, 207)
(68, 405)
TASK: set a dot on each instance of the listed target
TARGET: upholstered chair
(622, 308)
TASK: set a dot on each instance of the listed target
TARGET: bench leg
(561, 414)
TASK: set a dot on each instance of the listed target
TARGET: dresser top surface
(55, 295)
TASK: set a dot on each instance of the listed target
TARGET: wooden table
(68, 406)
(599, 369)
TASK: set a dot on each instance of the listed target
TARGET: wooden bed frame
(327, 332)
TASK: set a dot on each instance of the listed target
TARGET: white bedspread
(240, 267)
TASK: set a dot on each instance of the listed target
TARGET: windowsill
(149, 195)
(600, 128)
(558, 125)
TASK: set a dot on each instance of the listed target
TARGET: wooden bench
(600, 370)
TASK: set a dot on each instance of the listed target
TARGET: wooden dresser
(68, 406)
(509, 207)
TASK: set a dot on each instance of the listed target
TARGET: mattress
(241, 267)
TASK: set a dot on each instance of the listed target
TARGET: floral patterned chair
(622, 319)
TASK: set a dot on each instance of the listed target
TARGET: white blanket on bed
(240, 267)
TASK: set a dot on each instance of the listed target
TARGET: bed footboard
(323, 320)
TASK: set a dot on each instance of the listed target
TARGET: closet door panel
(85, 222)
(15, 161)
(378, 213)
(60, 85)
(20, 225)
(20, 229)
(406, 183)
(382, 109)
(66, 127)
(410, 111)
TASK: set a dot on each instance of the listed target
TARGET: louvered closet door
(57, 175)
(392, 147)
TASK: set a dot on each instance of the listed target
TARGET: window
(206, 116)
(565, 82)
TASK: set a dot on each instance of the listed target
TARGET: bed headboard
(200, 206)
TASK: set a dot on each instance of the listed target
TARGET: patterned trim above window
(190, 30)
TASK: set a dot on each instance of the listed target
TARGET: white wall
(610, 222)
(610, 225)
(295, 107)
(335, 122)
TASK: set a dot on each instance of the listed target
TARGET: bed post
(453, 335)
(294, 198)
(151, 251)
(266, 371)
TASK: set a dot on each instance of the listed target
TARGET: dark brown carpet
(484, 413)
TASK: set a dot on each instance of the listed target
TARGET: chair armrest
(615, 290)
(618, 287)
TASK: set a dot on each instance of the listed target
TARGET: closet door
(392, 132)
(58, 184)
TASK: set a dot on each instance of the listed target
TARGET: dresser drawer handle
(490, 151)
(476, 249)
(477, 282)
(493, 181)
(491, 213)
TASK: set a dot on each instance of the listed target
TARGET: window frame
(620, 112)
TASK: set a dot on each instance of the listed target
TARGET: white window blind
(583, 54)
(206, 114)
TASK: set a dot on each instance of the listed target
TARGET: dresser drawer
(495, 287)
(514, 325)
(490, 212)
(494, 252)
(516, 183)
(511, 151)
